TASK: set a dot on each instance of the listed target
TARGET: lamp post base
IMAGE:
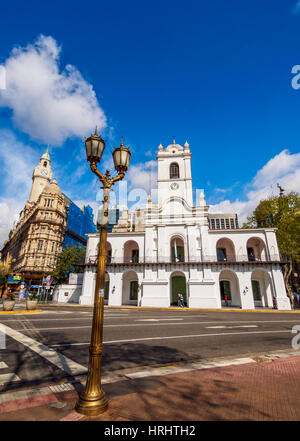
(92, 407)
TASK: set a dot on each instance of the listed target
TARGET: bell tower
(41, 176)
(174, 173)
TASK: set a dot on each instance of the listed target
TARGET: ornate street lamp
(92, 400)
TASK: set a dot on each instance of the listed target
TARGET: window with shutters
(174, 171)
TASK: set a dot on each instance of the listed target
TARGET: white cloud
(49, 104)
(17, 163)
(9, 214)
(283, 168)
(143, 175)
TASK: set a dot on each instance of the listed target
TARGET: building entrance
(178, 286)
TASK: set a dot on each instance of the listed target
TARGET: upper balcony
(213, 259)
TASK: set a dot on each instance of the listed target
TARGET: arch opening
(225, 250)
(256, 249)
(262, 289)
(130, 287)
(177, 249)
(131, 252)
(174, 171)
(178, 286)
(230, 288)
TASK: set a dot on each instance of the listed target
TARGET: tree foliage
(69, 261)
(281, 212)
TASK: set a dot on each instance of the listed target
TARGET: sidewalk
(264, 389)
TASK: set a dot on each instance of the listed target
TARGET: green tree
(281, 212)
(69, 261)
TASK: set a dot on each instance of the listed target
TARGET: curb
(21, 312)
(149, 308)
(216, 363)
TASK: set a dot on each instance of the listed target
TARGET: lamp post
(92, 400)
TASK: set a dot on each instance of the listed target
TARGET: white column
(246, 294)
(115, 289)
(283, 302)
(88, 286)
(163, 248)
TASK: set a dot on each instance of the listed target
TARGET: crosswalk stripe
(8, 378)
(59, 360)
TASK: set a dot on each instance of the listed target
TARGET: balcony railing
(91, 260)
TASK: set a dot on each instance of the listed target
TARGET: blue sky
(217, 74)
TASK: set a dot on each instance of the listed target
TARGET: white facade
(177, 252)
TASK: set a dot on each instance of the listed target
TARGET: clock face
(44, 171)
(174, 186)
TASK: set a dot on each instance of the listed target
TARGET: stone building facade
(36, 240)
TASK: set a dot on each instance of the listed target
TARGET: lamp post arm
(94, 169)
(117, 178)
(107, 183)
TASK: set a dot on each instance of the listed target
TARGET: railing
(92, 260)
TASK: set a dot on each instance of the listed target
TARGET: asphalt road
(133, 340)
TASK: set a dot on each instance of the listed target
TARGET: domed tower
(41, 176)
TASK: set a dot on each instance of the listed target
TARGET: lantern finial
(96, 134)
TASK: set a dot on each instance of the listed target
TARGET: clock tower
(41, 176)
(174, 173)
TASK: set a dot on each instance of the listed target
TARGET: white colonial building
(171, 247)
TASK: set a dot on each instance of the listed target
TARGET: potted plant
(9, 300)
(31, 301)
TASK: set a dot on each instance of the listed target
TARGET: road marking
(171, 337)
(157, 320)
(59, 311)
(231, 327)
(55, 319)
(8, 378)
(141, 324)
(59, 360)
(3, 365)
(154, 324)
(193, 336)
(189, 367)
(69, 344)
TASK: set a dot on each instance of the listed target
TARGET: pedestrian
(181, 300)
(226, 300)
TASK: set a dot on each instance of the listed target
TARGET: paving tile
(262, 391)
